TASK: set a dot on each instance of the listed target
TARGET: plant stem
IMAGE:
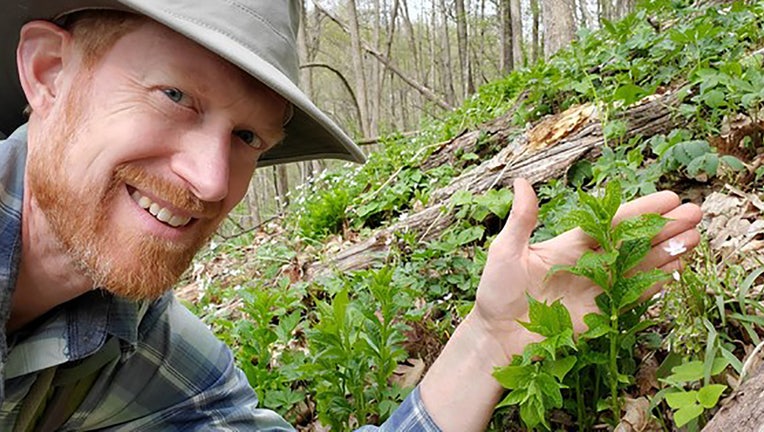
(616, 402)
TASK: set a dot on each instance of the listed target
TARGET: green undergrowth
(343, 347)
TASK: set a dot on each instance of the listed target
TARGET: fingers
(670, 268)
(682, 218)
(670, 250)
(522, 219)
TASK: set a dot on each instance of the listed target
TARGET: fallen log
(541, 153)
(744, 410)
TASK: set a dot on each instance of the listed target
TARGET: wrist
(503, 339)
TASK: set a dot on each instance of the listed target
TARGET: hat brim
(309, 135)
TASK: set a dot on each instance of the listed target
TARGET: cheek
(241, 170)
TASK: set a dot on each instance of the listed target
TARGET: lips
(160, 213)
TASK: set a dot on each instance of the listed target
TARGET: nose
(203, 162)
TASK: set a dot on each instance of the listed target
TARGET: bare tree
(515, 14)
(535, 31)
(507, 59)
(559, 24)
(461, 38)
(356, 54)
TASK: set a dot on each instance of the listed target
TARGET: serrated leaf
(547, 320)
(709, 395)
(631, 253)
(595, 266)
(612, 199)
(532, 413)
(628, 290)
(687, 414)
(560, 367)
(643, 226)
(595, 206)
(682, 399)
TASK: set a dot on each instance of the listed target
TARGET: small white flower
(676, 275)
(675, 247)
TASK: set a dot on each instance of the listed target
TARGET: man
(146, 121)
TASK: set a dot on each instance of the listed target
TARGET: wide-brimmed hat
(259, 36)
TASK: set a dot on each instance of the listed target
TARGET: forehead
(151, 46)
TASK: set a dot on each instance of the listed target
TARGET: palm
(515, 268)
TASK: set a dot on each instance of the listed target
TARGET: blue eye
(174, 94)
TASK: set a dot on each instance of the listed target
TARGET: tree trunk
(559, 25)
(535, 33)
(606, 9)
(744, 410)
(281, 183)
(543, 153)
(468, 86)
(446, 69)
(423, 90)
(375, 85)
(516, 17)
(507, 33)
(356, 54)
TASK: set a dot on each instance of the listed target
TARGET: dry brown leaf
(408, 374)
(637, 417)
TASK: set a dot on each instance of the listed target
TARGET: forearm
(459, 391)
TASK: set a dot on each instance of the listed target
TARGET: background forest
(337, 285)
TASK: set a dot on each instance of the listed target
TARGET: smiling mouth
(160, 213)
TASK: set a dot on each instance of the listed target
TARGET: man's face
(144, 154)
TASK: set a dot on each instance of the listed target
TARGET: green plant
(606, 347)
(689, 405)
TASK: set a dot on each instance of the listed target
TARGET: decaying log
(544, 152)
(744, 410)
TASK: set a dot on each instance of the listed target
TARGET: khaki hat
(259, 36)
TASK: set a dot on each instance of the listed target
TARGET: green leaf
(628, 290)
(560, 367)
(708, 396)
(515, 397)
(599, 325)
(687, 414)
(682, 399)
(547, 320)
(688, 372)
(643, 226)
(595, 206)
(514, 377)
(612, 199)
(595, 266)
(713, 98)
(734, 163)
(629, 93)
(550, 389)
(631, 253)
(461, 197)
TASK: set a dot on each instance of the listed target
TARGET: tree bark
(744, 410)
(356, 54)
(535, 32)
(446, 68)
(542, 153)
(559, 25)
(468, 86)
(507, 33)
(515, 13)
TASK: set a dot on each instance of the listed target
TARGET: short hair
(96, 31)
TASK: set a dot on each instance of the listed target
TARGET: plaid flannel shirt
(170, 373)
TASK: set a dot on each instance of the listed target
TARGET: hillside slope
(336, 309)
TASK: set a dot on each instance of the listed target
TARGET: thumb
(522, 219)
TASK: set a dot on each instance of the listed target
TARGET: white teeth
(154, 209)
(162, 214)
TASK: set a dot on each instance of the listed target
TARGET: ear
(40, 58)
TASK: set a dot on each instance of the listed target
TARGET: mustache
(175, 195)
